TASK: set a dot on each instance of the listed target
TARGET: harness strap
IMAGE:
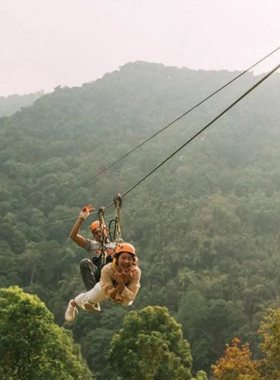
(118, 204)
(101, 214)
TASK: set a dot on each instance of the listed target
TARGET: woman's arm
(106, 280)
(117, 290)
(131, 289)
(121, 291)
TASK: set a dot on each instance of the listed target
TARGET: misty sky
(47, 43)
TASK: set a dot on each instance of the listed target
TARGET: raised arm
(74, 234)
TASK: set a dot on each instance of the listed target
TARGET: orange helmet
(125, 247)
(94, 225)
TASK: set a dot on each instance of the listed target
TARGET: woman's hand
(127, 277)
(118, 277)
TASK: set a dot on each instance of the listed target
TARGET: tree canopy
(32, 346)
(150, 345)
(205, 225)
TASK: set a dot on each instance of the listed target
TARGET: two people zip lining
(90, 268)
(112, 272)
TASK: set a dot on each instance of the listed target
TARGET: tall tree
(32, 347)
(270, 329)
(236, 364)
(149, 346)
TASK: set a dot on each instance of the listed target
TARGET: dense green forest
(13, 103)
(205, 225)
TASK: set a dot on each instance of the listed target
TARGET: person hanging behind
(90, 269)
(119, 282)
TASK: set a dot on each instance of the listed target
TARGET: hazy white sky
(46, 43)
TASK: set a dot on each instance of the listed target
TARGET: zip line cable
(201, 130)
(63, 220)
(174, 121)
(188, 141)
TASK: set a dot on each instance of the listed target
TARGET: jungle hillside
(205, 225)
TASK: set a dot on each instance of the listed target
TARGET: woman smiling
(120, 283)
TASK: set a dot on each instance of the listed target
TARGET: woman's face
(125, 262)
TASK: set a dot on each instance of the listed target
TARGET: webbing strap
(101, 214)
(118, 205)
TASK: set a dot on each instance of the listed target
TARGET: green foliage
(270, 330)
(13, 103)
(150, 345)
(237, 362)
(201, 375)
(205, 225)
(97, 332)
(32, 347)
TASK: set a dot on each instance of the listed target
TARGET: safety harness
(116, 238)
(117, 229)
